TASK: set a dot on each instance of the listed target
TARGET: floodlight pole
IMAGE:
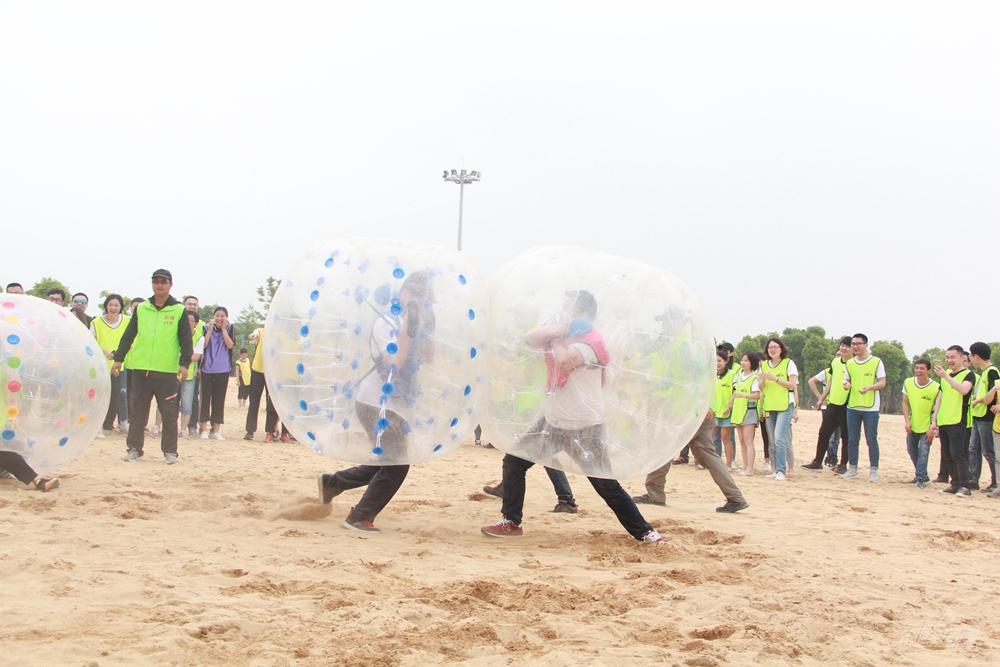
(462, 178)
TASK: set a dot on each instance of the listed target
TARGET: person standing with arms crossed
(159, 338)
(835, 415)
(951, 418)
(864, 378)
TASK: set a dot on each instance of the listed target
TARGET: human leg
(207, 384)
(853, 436)
(195, 402)
(15, 464)
(560, 484)
(655, 483)
(122, 399)
(220, 387)
(953, 438)
(826, 429)
(257, 386)
(166, 391)
(514, 470)
(727, 444)
(975, 453)
(717, 440)
(141, 396)
(870, 421)
(621, 504)
(704, 453)
(382, 486)
(746, 433)
(779, 423)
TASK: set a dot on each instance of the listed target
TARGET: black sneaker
(563, 507)
(248, 436)
(815, 465)
(326, 492)
(914, 480)
(680, 461)
(963, 493)
(355, 523)
(951, 490)
(940, 480)
(731, 506)
(44, 485)
(841, 470)
(989, 489)
(496, 491)
(644, 499)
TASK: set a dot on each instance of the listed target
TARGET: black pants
(834, 416)
(15, 464)
(382, 481)
(766, 439)
(258, 387)
(242, 390)
(955, 451)
(144, 386)
(195, 403)
(213, 400)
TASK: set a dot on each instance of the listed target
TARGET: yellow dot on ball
(10, 319)
(81, 419)
(13, 411)
(53, 362)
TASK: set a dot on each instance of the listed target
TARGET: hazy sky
(795, 163)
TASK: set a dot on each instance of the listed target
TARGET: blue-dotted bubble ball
(55, 385)
(376, 351)
(600, 365)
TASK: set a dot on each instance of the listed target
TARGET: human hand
(117, 366)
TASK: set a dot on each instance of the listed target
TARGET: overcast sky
(796, 164)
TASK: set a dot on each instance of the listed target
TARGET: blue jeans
(187, 396)
(610, 490)
(980, 447)
(919, 449)
(778, 430)
(717, 440)
(855, 418)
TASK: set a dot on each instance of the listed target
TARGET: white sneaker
(100, 435)
(852, 473)
(182, 434)
(780, 477)
(873, 475)
(653, 536)
(767, 467)
(771, 475)
(123, 427)
(218, 435)
(155, 432)
(204, 435)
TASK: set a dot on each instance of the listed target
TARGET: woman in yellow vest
(108, 330)
(779, 388)
(743, 407)
(721, 405)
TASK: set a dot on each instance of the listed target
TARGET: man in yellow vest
(920, 395)
(834, 396)
(951, 419)
(864, 378)
(159, 338)
(981, 442)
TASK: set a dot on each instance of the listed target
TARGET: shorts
(750, 418)
(723, 421)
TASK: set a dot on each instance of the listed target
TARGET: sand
(227, 559)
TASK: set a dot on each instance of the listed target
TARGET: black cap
(163, 273)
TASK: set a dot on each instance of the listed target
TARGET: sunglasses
(79, 301)
(160, 281)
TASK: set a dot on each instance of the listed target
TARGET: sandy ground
(148, 564)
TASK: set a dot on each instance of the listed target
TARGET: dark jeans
(610, 490)
(15, 464)
(144, 386)
(955, 450)
(196, 403)
(213, 400)
(382, 481)
(560, 484)
(981, 447)
(833, 417)
(767, 441)
(118, 406)
(258, 387)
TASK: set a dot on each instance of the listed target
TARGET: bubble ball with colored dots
(54, 382)
(650, 362)
(373, 350)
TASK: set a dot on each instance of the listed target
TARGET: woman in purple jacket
(216, 367)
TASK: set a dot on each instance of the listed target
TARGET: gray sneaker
(963, 493)
(133, 455)
(852, 473)
(170, 458)
(873, 475)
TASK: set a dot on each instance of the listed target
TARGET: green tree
(932, 354)
(42, 287)
(816, 356)
(266, 292)
(897, 369)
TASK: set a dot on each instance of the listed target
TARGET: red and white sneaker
(364, 526)
(503, 528)
(653, 536)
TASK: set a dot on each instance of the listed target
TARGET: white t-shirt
(370, 391)
(755, 386)
(199, 347)
(580, 402)
(879, 374)
(792, 370)
(820, 377)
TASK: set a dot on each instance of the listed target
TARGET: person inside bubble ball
(573, 416)
(385, 417)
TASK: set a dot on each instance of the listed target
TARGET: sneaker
(993, 494)
(698, 466)
(914, 480)
(248, 436)
(841, 469)
(644, 499)
(563, 507)
(355, 523)
(133, 455)
(815, 465)
(155, 433)
(767, 467)
(989, 489)
(653, 536)
(952, 490)
(771, 475)
(269, 437)
(100, 435)
(204, 435)
(326, 491)
(286, 438)
(852, 473)
(963, 493)
(218, 435)
(830, 463)
(921, 484)
(496, 491)
(940, 479)
(170, 458)
(679, 461)
(731, 507)
(479, 443)
(873, 475)
(193, 430)
(123, 427)
(182, 434)
(6, 475)
(779, 477)
(44, 485)
(502, 528)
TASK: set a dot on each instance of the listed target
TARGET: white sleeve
(820, 377)
(93, 329)
(880, 371)
(755, 386)
(199, 347)
(792, 368)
